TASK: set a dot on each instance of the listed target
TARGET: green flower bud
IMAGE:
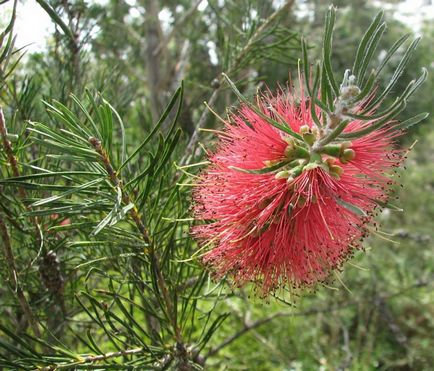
(289, 140)
(309, 138)
(289, 150)
(315, 157)
(296, 152)
(284, 174)
(336, 171)
(334, 150)
(296, 171)
(269, 163)
(304, 129)
(347, 156)
(301, 152)
(346, 144)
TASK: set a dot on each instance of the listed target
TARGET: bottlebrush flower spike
(283, 211)
(295, 181)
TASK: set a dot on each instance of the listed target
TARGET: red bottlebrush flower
(286, 211)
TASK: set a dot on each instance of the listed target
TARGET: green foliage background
(124, 67)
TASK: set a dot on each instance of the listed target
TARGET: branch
(12, 160)
(258, 33)
(394, 328)
(14, 281)
(8, 146)
(57, 19)
(247, 327)
(185, 17)
(153, 62)
(97, 358)
(105, 356)
(49, 268)
(127, 199)
(10, 259)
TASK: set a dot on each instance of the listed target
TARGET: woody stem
(150, 248)
(9, 256)
(14, 280)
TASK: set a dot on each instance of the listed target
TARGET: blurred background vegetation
(137, 52)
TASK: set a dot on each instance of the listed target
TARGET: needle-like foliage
(99, 269)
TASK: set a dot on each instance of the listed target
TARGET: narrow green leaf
(74, 150)
(122, 126)
(95, 317)
(87, 114)
(409, 90)
(12, 349)
(212, 329)
(71, 158)
(327, 49)
(317, 102)
(306, 66)
(396, 75)
(388, 205)
(169, 151)
(178, 111)
(11, 24)
(376, 37)
(94, 346)
(354, 209)
(56, 19)
(131, 319)
(70, 209)
(327, 95)
(71, 191)
(29, 350)
(391, 52)
(362, 52)
(4, 58)
(163, 117)
(49, 175)
(46, 131)
(374, 126)
(412, 121)
(115, 215)
(65, 115)
(264, 170)
(284, 128)
(144, 173)
(414, 85)
(143, 195)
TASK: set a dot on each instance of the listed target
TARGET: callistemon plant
(298, 176)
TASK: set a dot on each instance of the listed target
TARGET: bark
(153, 61)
